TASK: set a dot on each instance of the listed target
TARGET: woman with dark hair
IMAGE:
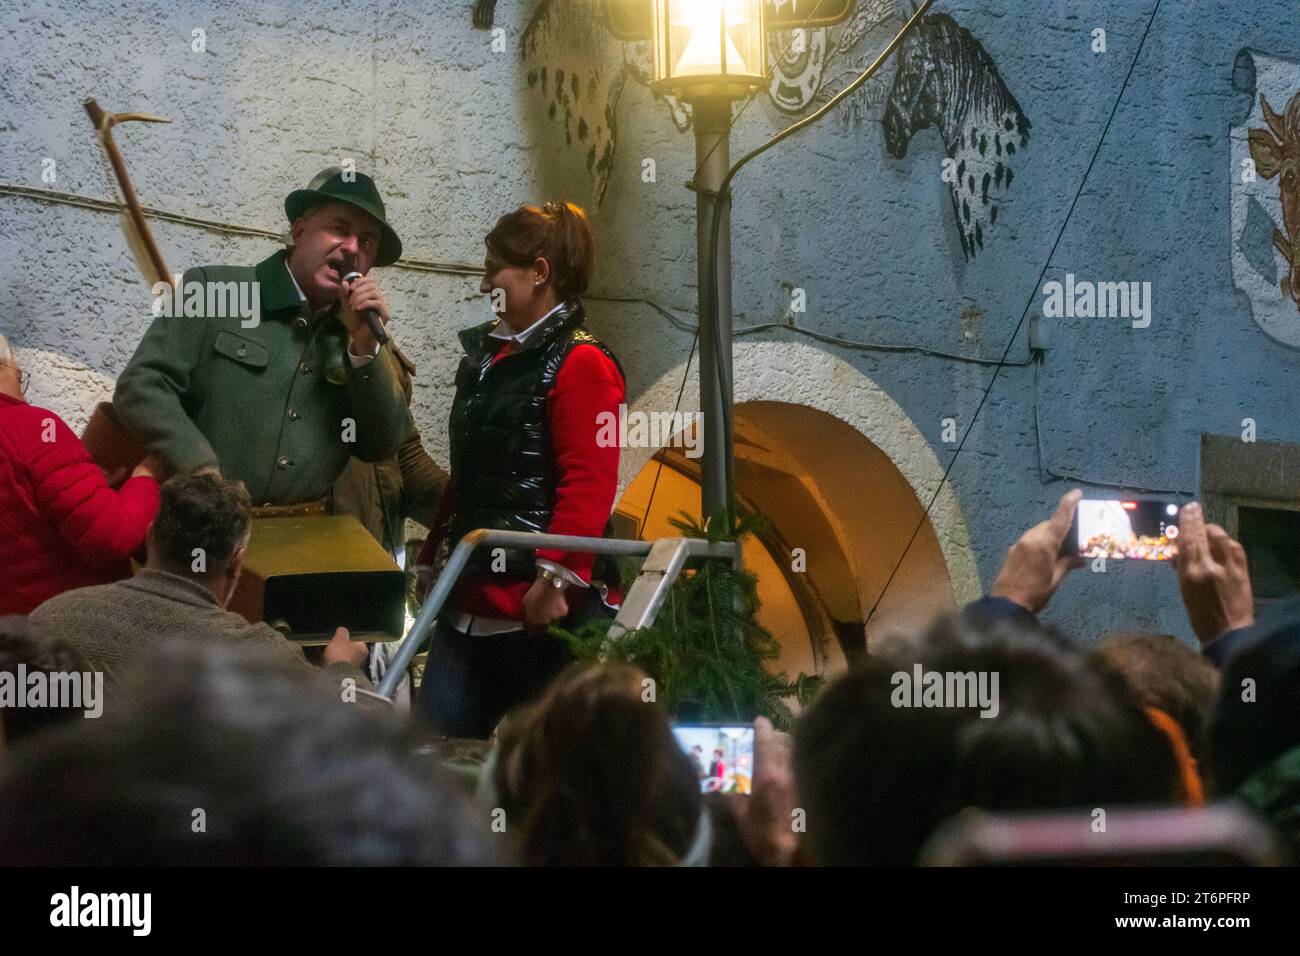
(532, 390)
(591, 775)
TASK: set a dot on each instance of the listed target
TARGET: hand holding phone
(1213, 577)
(1037, 563)
(765, 819)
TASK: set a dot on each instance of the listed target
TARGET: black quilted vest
(500, 441)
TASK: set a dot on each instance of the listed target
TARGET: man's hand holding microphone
(364, 312)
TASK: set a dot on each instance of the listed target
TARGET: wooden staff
(147, 254)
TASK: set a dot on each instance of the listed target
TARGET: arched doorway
(839, 514)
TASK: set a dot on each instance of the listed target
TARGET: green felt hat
(357, 189)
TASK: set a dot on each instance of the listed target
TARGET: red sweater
(61, 525)
(587, 384)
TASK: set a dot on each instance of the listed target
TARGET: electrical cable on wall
(1045, 469)
(1029, 304)
(685, 326)
(471, 270)
(724, 200)
(767, 77)
(467, 269)
(212, 225)
(724, 197)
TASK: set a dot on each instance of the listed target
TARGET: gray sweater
(114, 625)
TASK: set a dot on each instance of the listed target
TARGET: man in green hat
(281, 395)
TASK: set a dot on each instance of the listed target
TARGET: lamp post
(709, 53)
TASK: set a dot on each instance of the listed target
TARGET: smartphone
(723, 755)
(1124, 529)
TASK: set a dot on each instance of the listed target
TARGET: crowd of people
(145, 723)
(218, 743)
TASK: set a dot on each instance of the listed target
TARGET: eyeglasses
(24, 378)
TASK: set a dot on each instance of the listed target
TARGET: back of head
(557, 232)
(594, 776)
(1256, 718)
(877, 773)
(1166, 674)
(23, 646)
(215, 756)
(203, 519)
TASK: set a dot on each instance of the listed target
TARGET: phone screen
(1121, 529)
(723, 755)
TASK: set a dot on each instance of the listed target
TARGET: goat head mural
(941, 77)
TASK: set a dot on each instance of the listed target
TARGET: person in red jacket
(61, 525)
(526, 455)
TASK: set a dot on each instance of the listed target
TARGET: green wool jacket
(278, 405)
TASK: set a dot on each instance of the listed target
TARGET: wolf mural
(941, 77)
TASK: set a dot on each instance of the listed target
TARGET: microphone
(370, 315)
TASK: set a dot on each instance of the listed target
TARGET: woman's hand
(543, 606)
(1034, 567)
(151, 467)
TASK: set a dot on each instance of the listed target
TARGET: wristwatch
(551, 578)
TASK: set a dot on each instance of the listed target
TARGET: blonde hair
(6, 353)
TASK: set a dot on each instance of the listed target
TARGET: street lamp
(708, 47)
(708, 53)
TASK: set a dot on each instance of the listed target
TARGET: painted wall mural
(942, 77)
(945, 78)
(576, 72)
(800, 77)
(1266, 193)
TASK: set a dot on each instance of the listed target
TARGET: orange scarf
(1188, 773)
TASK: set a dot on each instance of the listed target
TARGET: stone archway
(843, 475)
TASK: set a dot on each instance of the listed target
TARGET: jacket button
(243, 350)
(293, 414)
(283, 463)
(300, 322)
(305, 368)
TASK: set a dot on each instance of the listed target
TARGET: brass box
(306, 576)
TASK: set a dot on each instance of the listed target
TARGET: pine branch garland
(706, 651)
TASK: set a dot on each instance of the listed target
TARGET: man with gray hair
(196, 553)
(281, 398)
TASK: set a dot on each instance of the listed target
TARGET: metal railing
(665, 558)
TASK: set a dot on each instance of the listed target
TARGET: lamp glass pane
(699, 31)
